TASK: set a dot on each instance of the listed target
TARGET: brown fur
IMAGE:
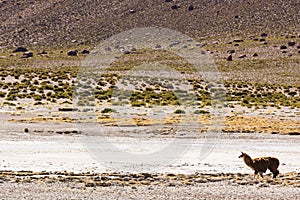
(260, 165)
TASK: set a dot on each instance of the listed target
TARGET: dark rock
(238, 40)
(236, 17)
(265, 42)
(168, 0)
(126, 52)
(26, 130)
(292, 43)
(191, 7)
(20, 49)
(174, 7)
(255, 55)
(132, 11)
(294, 133)
(229, 58)
(284, 51)
(236, 45)
(27, 55)
(67, 109)
(255, 39)
(157, 46)
(298, 47)
(263, 35)
(231, 51)
(299, 51)
(242, 56)
(283, 47)
(262, 39)
(72, 53)
(85, 51)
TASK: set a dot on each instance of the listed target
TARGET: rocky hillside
(59, 22)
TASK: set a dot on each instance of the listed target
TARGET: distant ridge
(59, 22)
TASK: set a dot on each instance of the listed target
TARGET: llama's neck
(248, 160)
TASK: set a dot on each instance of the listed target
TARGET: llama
(260, 165)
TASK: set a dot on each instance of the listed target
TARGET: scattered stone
(238, 40)
(255, 55)
(299, 51)
(298, 47)
(294, 133)
(26, 130)
(265, 43)
(27, 55)
(191, 7)
(73, 41)
(229, 58)
(255, 39)
(284, 51)
(68, 131)
(174, 7)
(283, 47)
(263, 35)
(157, 46)
(242, 56)
(2, 57)
(126, 52)
(85, 51)
(262, 39)
(72, 53)
(67, 109)
(291, 43)
(132, 11)
(236, 45)
(231, 51)
(168, 0)
(20, 49)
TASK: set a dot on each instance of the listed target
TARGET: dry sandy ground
(220, 190)
(212, 155)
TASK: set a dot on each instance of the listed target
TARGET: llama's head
(242, 155)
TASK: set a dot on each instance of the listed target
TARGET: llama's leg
(275, 173)
(255, 173)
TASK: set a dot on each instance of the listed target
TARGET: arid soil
(27, 185)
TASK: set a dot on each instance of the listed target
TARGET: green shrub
(179, 112)
(107, 110)
(201, 112)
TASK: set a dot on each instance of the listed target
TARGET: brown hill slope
(58, 22)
